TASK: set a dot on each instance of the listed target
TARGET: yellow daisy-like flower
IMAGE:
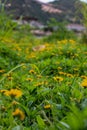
(19, 113)
(84, 83)
(39, 84)
(84, 77)
(57, 78)
(62, 73)
(69, 75)
(10, 78)
(47, 106)
(3, 91)
(32, 71)
(29, 79)
(2, 71)
(59, 68)
(71, 41)
(13, 93)
(76, 69)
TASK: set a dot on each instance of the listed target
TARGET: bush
(61, 34)
(84, 38)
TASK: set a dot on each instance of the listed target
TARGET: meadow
(43, 82)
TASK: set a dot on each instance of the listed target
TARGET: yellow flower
(47, 106)
(39, 76)
(24, 66)
(29, 79)
(69, 75)
(57, 78)
(84, 77)
(76, 69)
(32, 55)
(71, 41)
(19, 113)
(32, 71)
(39, 84)
(10, 78)
(84, 83)
(3, 91)
(62, 73)
(18, 48)
(59, 68)
(2, 71)
(13, 93)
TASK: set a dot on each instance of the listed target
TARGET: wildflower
(75, 69)
(10, 78)
(29, 79)
(71, 41)
(39, 84)
(46, 82)
(84, 77)
(3, 91)
(32, 55)
(68, 83)
(69, 75)
(15, 103)
(19, 113)
(84, 83)
(59, 68)
(57, 78)
(63, 41)
(32, 71)
(39, 76)
(13, 93)
(27, 51)
(2, 71)
(47, 106)
(62, 73)
(18, 48)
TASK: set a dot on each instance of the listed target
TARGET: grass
(43, 84)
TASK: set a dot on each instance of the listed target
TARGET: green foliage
(6, 25)
(61, 33)
(43, 85)
(84, 37)
(84, 14)
(50, 99)
(84, 21)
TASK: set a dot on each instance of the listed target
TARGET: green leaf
(17, 128)
(40, 122)
(65, 125)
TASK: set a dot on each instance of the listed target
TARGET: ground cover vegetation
(43, 82)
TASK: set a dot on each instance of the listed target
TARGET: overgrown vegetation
(84, 21)
(43, 82)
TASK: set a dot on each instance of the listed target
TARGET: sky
(45, 1)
